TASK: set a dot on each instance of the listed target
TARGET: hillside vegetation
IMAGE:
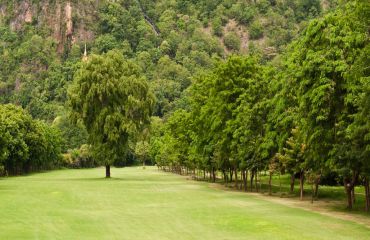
(42, 42)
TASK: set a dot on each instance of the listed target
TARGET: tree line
(307, 114)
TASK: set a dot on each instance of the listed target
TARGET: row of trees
(26, 145)
(307, 115)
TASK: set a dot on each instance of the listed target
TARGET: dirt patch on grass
(320, 206)
(323, 206)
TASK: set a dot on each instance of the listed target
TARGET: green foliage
(74, 134)
(79, 158)
(142, 149)
(293, 158)
(105, 42)
(307, 8)
(232, 41)
(120, 22)
(323, 87)
(255, 30)
(27, 145)
(264, 5)
(308, 109)
(242, 12)
(217, 27)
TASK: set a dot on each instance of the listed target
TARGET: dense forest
(226, 86)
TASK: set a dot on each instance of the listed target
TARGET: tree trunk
(252, 177)
(244, 181)
(348, 188)
(256, 181)
(317, 188)
(107, 171)
(236, 178)
(353, 195)
(225, 177)
(241, 180)
(312, 192)
(292, 179)
(301, 186)
(270, 179)
(367, 194)
(213, 174)
(231, 175)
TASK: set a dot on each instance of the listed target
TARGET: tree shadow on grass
(101, 179)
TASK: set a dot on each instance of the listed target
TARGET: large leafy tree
(217, 99)
(248, 125)
(113, 100)
(321, 59)
(358, 133)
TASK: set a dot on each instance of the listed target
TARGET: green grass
(149, 204)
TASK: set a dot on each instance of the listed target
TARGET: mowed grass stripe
(149, 204)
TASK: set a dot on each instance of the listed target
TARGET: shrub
(232, 41)
(217, 27)
(242, 13)
(79, 158)
(255, 30)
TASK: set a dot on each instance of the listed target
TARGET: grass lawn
(149, 204)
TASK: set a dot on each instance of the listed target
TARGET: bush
(263, 6)
(79, 158)
(74, 134)
(232, 41)
(242, 13)
(104, 43)
(255, 30)
(217, 27)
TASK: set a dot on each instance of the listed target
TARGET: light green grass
(149, 204)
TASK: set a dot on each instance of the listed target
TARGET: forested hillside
(42, 41)
(235, 86)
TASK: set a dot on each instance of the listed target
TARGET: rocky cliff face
(66, 21)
